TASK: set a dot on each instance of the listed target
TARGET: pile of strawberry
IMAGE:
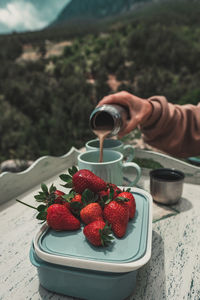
(102, 207)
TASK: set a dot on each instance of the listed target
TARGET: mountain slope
(86, 10)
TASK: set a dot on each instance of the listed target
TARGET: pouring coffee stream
(101, 134)
(107, 121)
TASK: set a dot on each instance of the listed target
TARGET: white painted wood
(173, 271)
(14, 184)
(191, 172)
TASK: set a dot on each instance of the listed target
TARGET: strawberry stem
(26, 204)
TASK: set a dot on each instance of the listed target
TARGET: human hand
(139, 109)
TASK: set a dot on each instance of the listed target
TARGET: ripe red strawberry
(103, 196)
(131, 203)
(60, 200)
(91, 212)
(117, 214)
(83, 179)
(77, 198)
(98, 233)
(76, 204)
(113, 188)
(72, 201)
(111, 193)
(60, 218)
(59, 195)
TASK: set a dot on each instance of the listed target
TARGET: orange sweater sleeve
(174, 129)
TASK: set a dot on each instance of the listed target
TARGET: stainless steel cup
(166, 185)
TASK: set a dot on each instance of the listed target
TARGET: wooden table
(173, 271)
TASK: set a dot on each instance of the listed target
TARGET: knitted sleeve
(174, 129)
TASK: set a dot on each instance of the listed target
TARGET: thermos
(108, 117)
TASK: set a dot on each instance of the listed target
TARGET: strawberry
(83, 179)
(91, 212)
(58, 197)
(47, 197)
(111, 193)
(131, 202)
(76, 204)
(77, 198)
(60, 218)
(103, 196)
(113, 188)
(98, 233)
(116, 212)
(72, 201)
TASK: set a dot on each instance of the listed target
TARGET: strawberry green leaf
(67, 185)
(44, 189)
(52, 189)
(41, 208)
(107, 201)
(65, 177)
(102, 201)
(41, 216)
(111, 194)
(87, 196)
(69, 196)
(105, 235)
(122, 199)
(40, 198)
(76, 205)
(73, 170)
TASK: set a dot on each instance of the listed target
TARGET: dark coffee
(170, 177)
(167, 175)
(102, 120)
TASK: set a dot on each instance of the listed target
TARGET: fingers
(138, 108)
(130, 125)
(122, 98)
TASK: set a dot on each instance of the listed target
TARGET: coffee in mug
(115, 145)
(111, 169)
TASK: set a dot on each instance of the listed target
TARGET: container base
(84, 284)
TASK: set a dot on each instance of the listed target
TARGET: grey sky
(25, 15)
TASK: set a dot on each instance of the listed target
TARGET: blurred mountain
(90, 10)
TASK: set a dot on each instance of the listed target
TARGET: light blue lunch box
(67, 264)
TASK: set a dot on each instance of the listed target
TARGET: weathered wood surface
(173, 271)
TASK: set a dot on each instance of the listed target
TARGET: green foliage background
(154, 50)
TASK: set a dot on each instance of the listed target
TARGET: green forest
(45, 104)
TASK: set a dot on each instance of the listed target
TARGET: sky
(28, 15)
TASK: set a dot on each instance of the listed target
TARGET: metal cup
(166, 185)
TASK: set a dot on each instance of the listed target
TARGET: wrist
(148, 110)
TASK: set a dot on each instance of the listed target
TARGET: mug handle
(128, 152)
(130, 166)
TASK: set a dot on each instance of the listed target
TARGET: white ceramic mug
(111, 144)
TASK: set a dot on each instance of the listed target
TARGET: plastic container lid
(70, 248)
